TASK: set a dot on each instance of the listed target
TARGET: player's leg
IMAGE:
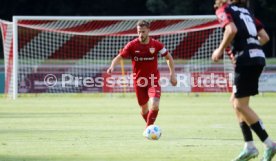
(246, 132)
(154, 93)
(244, 89)
(142, 98)
(153, 111)
(241, 105)
(145, 111)
(249, 151)
(245, 128)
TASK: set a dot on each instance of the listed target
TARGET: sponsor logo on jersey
(137, 51)
(136, 58)
(253, 53)
(143, 58)
(152, 50)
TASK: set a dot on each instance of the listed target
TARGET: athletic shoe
(269, 153)
(145, 134)
(247, 154)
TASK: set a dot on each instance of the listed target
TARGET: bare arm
(114, 62)
(263, 37)
(228, 36)
(170, 62)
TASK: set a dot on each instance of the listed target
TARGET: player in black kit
(247, 35)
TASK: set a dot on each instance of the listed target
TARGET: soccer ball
(153, 132)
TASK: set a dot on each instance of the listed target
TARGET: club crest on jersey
(152, 50)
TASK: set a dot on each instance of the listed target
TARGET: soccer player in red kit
(144, 52)
(247, 35)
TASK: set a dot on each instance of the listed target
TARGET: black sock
(246, 132)
(260, 130)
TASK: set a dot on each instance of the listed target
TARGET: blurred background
(84, 127)
(263, 9)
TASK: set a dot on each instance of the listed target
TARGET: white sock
(268, 143)
(249, 145)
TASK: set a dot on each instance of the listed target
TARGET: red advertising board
(211, 82)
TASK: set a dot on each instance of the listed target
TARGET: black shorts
(246, 81)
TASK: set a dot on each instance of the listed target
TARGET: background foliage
(264, 10)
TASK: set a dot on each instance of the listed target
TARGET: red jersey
(144, 57)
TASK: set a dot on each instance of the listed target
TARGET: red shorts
(144, 93)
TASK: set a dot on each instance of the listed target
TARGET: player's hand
(110, 70)
(173, 80)
(216, 55)
(231, 55)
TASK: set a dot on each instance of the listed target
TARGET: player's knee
(155, 106)
(144, 108)
(154, 103)
(241, 105)
(238, 107)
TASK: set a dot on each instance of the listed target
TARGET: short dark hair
(143, 23)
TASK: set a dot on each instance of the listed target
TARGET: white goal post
(79, 47)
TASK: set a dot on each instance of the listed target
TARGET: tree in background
(264, 9)
(180, 7)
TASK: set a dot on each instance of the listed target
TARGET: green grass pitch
(109, 128)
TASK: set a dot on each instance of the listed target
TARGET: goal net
(72, 54)
(7, 35)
